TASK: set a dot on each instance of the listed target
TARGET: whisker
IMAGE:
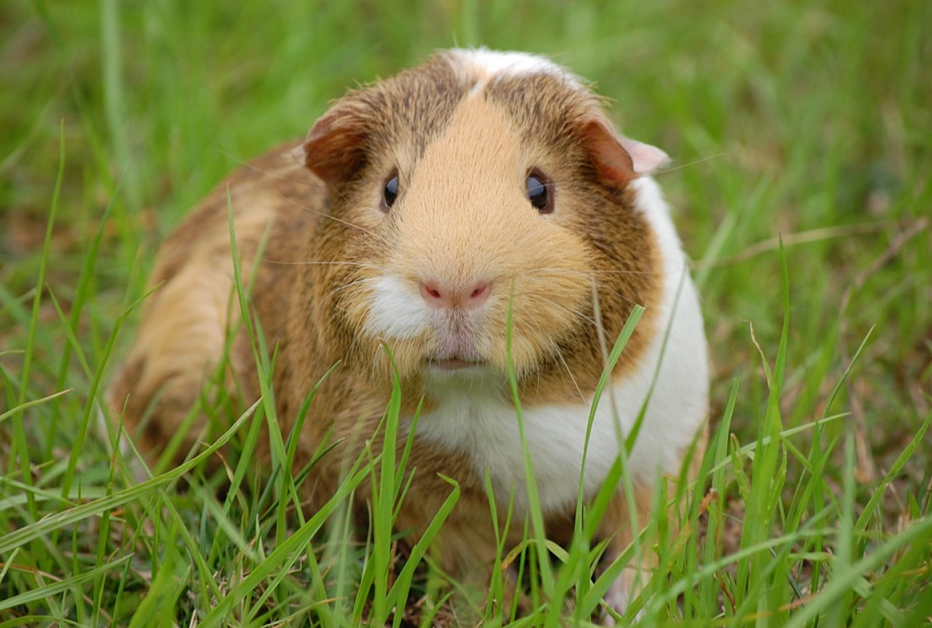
(622, 271)
(323, 263)
(619, 294)
(353, 225)
(586, 274)
(280, 175)
(606, 288)
(354, 345)
(692, 163)
(575, 312)
(570, 373)
(351, 284)
(276, 174)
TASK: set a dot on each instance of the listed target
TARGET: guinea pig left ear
(334, 147)
(620, 159)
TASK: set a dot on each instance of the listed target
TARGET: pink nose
(438, 295)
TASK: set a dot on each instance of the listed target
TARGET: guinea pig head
(481, 205)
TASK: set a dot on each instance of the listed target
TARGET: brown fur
(455, 153)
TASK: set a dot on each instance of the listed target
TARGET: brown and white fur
(432, 276)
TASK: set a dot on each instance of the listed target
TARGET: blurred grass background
(806, 120)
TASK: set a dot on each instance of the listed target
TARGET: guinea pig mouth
(455, 363)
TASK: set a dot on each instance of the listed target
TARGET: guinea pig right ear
(620, 159)
(334, 148)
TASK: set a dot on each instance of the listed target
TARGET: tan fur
(462, 216)
(449, 230)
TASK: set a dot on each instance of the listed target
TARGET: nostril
(443, 296)
(480, 293)
(431, 292)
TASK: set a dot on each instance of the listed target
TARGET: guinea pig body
(472, 212)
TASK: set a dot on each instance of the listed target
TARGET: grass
(801, 122)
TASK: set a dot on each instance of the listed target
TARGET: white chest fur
(672, 381)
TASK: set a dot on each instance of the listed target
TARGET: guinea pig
(474, 214)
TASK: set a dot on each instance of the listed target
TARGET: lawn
(800, 133)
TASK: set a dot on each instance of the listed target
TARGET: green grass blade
(61, 586)
(70, 516)
(20, 448)
(287, 553)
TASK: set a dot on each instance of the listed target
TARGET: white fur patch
(493, 63)
(484, 427)
(394, 311)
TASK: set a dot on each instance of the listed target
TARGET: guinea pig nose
(444, 296)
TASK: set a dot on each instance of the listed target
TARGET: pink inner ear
(620, 159)
(646, 158)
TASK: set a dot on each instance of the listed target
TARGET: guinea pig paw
(617, 598)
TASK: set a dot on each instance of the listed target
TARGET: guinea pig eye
(389, 192)
(539, 192)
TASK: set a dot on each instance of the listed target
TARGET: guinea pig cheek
(550, 287)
